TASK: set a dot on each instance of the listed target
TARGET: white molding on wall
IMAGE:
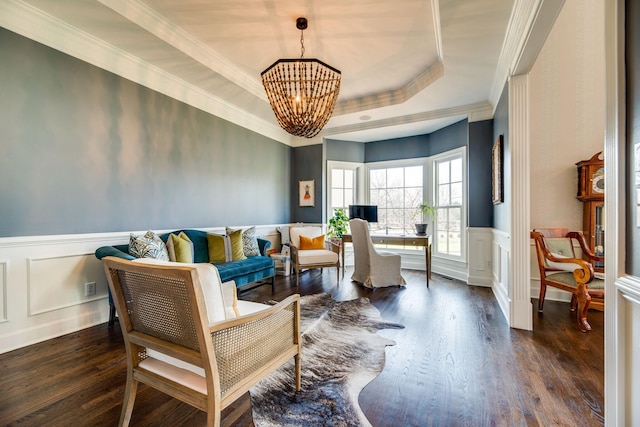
(4, 265)
(480, 256)
(42, 294)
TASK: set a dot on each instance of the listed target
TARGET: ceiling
(409, 67)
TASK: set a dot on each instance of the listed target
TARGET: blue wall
(480, 207)
(633, 131)
(84, 150)
(501, 213)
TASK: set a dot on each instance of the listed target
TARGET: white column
(520, 307)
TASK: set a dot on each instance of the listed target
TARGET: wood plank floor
(456, 363)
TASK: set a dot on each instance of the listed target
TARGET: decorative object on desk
(496, 172)
(338, 225)
(302, 92)
(427, 211)
(342, 354)
(307, 192)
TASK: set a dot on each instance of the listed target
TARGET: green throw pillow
(250, 245)
(217, 247)
(237, 251)
(180, 248)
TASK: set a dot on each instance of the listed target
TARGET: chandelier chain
(301, 43)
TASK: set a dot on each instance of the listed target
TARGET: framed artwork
(496, 172)
(307, 193)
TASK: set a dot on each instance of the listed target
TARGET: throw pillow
(250, 245)
(225, 248)
(218, 248)
(312, 242)
(150, 245)
(180, 248)
(237, 252)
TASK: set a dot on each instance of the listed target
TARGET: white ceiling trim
(474, 112)
(31, 22)
(155, 23)
(394, 97)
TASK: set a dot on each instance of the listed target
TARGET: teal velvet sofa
(247, 272)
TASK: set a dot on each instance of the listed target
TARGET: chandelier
(302, 92)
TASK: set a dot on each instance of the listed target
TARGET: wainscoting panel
(480, 256)
(500, 270)
(55, 283)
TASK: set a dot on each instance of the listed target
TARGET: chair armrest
(586, 250)
(333, 247)
(246, 346)
(584, 274)
(105, 251)
(263, 244)
(294, 254)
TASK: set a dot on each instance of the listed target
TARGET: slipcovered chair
(188, 336)
(559, 267)
(373, 269)
(310, 250)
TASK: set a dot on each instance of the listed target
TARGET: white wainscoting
(42, 280)
(480, 256)
(500, 270)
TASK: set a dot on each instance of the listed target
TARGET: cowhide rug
(341, 354)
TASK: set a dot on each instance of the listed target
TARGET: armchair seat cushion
(316, 256)
(567, 278)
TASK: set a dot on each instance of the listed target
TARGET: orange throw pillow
(311, 242)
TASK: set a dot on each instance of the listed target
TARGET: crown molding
(37, 25)
(474, 112)
(529, 24)
(155, 23)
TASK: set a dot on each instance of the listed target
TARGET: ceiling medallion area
(302, 92)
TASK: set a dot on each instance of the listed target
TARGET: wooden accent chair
(560, 268)
(166, 311)
(373, 268)
(325, 254)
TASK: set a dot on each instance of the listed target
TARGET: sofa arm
(104, 251)
(264, 244)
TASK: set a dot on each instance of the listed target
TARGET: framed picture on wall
(307, 192)
(496, 172)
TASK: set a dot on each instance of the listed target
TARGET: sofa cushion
(149, 245)
(225, 248)
(239, 269)
(316, 256)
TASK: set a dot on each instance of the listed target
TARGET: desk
(396, 239)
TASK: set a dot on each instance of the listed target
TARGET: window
(342, 185)
(397, 191)
(449, 202)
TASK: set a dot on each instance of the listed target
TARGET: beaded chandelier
(302, 92)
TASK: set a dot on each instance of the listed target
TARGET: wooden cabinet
(591, 193)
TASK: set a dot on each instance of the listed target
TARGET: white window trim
(358, 169)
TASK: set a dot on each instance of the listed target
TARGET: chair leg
(584, 299)
(543, 292)
(574, 302)
(298, 371)
(129, 400)
(112, 315)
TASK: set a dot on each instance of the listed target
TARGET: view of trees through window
(449, 206)
(397, 192)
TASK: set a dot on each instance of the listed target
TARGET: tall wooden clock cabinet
(591, 193)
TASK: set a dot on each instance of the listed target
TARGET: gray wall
(345, 151)
(84, 150)
(480, 207)
(501, 215)
(633, 132)
(307, 164)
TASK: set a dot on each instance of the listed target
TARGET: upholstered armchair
(188, 335)
(309, 249)
(373, 269)
(560, 268)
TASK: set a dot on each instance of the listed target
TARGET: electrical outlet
(489, 264)
(89, 289)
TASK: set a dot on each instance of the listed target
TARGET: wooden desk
(396, 239)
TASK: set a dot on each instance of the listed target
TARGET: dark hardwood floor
(456, 363)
